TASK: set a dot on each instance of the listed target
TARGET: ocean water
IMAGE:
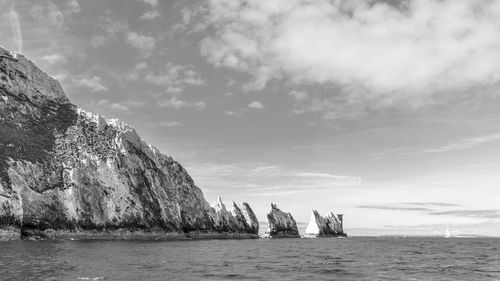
(363, 258)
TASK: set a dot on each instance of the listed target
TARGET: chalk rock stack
(68, 173)
(280, 224)
(329, 226)
(234, 221)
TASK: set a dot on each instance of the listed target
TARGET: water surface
(363, 258)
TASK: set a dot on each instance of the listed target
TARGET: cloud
(256, 105)
(125, 106)
(429, 208)
(298, 95)
(145, 44)
(174, 77)
(177, 103)
(150, 15)
(153, 3)
(391, 208)
(139, 68)
(188, 14)
(258, 178)
(488, 214)
(233, 113)
(465, 144)
(170, 124)
(54, 58)
(267, 169)
(339, 179)
(73, 6)
(48, 11)
(93, 83)
(370, 50)
(433, 204)
(108, 29)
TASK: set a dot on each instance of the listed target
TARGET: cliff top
(22, 76)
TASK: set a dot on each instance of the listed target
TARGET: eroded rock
(329, 226)
(280, 224)
(68, 173)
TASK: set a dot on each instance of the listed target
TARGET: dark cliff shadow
(24, 136)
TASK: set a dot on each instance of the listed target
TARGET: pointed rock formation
(280, 224)
(233, 221)
(68, 173)
(250, 218)
(329, 226)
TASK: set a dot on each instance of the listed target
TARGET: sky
(385, 111)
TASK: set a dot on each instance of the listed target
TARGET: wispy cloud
(124, 106)
(107, 30)
(433, 204)
(153, 3)
(177, 103)
(233, 113)
(94, 83)
(267, 169)
(465, 143)
(394, 208)
(144, 43)
(261, 179)
(54, 14)
(340, 179)
(487, 214)
(436, 209)
(174, 77)
(170, 124)
(298, 95)
(54, 58)
(150, 15)
(256, 105)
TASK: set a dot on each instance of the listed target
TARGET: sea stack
(280, 224)
(232, 223)
(329, 226)
(66, 173)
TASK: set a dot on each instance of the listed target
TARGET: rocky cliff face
(280, 224)
(68, 173)
(329, 226)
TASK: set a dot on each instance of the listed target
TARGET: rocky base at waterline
(280, 224)
(329, 226)
(68, 173)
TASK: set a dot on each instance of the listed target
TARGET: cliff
(329, 226)
(280, 224)
(68, 173)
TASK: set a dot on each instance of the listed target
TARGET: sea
(354, 258)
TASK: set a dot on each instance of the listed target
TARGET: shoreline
(120, 234)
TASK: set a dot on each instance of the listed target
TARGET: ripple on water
(284, 259)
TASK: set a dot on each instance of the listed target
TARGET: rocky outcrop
(280, 224)
(68, 173)
(234, 220)
(250, 218)
(329, 226)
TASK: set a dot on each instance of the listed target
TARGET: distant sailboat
(448, 234)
